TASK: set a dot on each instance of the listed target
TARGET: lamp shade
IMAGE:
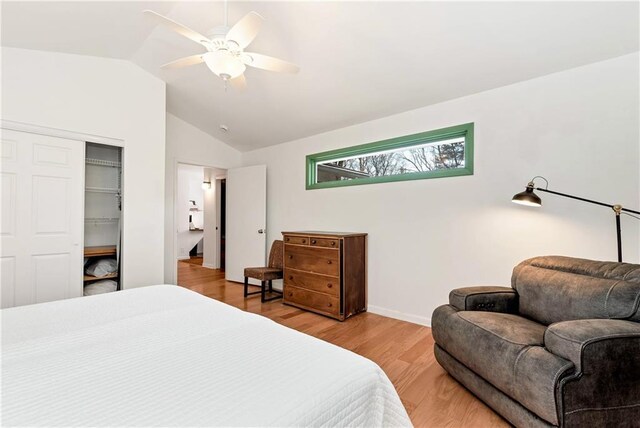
(528, 198)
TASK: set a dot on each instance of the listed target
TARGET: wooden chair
(266, 274)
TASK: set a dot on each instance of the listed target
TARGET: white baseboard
(416, 319)
(183, 257)
(208, 266)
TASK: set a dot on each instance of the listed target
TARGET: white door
(42, 218)
(246, 220)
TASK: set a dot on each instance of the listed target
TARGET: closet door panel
(8, 278)
(51, 205)
(8, 192)
(52, 155)
(9, 222)
(8, 149)
(42, 217)
(51, 277)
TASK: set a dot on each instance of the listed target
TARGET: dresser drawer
(324, 242)
(297, 240)
(310, 299)
(314, 282)
(318, 260)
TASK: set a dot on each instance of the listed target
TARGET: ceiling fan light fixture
(225, 45)
(224, 64)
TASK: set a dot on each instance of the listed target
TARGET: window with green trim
(446, 152)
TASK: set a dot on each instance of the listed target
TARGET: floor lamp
(529, 198)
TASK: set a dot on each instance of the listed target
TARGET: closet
(102, 218)
(60, 217)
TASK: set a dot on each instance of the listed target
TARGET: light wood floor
(193, 260)
(402, 349)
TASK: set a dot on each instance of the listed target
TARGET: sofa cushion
(487, 342)
(555, 288)
(506, 350)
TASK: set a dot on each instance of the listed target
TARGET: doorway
(199, 218)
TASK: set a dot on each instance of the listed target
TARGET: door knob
(260, 230)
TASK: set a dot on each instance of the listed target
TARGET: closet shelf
(101, 219)
(101, 162)
(104, 250)
(102, 190)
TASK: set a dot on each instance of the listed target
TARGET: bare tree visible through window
(438, 153)
(428, 157)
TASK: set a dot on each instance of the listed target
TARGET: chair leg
(275, 294)
(263, 291)
(246, 286)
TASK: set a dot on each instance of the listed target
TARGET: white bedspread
(167, 356)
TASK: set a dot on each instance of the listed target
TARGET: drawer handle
(329, 305)
(290, 293)
(313, 241)
(290, 277)
(290, 257)
(287, 239)
(304, 241)
(329, 285)
(333, 243)
(328, 262)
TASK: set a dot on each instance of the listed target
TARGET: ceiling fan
(225, 54)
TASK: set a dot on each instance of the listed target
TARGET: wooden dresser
(326, 272)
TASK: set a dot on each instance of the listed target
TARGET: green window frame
(407, 141)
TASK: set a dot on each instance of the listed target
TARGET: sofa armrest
(491, 299)
(588, 342)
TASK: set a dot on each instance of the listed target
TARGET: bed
(166, 356)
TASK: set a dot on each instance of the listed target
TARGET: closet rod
(102, 190)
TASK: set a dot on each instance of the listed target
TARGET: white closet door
(246, 220)
(42, 182)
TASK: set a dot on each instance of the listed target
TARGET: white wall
(188, 144)
(107, 98)
(189, 188)
(578, 128)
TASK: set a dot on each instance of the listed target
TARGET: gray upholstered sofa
(560, 347)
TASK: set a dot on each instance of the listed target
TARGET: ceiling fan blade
(246, 29)
(239, 82)
(184, 62)
(178, 28)
(269, 63)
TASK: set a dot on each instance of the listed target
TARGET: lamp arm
(575, 197)
(629, 211)
(614, 207)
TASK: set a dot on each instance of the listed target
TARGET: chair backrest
(555, 288)
(276, 255)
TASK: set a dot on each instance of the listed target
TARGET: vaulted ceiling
(359, 60)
